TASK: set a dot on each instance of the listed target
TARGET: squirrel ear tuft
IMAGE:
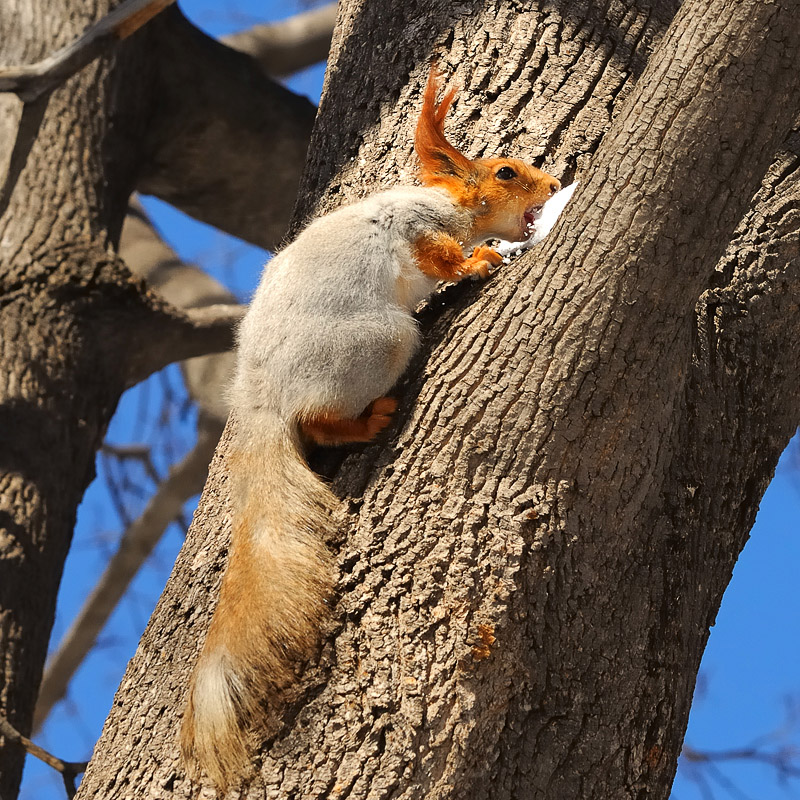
(438, 158)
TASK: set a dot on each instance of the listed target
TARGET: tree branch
(291, 44)
(190, 314)
(69, 769)
(171, 335)
(740, 408)
(786, 760)
(32, 81)
(185, 286)
(188, 287)
(542, 425)
(209, 96)
(184, 480)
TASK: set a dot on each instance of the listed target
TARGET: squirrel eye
(505, 174)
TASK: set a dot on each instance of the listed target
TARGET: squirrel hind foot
(383, 406)
(328, 427)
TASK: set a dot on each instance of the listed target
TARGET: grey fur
(331, 325)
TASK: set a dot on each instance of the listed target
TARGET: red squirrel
(329, 332)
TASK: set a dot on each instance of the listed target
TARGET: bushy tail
(272, 602)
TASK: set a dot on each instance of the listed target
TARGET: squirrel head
(504, 195)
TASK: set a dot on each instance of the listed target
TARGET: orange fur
(498, 206)
(327, 427)
(273, 601)
(439, 160)
(441, 257)
(277, 589)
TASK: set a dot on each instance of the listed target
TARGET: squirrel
(329, 332)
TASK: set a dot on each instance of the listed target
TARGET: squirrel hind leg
(328, 427)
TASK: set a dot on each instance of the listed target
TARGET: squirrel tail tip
(211, 734)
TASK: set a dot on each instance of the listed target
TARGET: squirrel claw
(481, 260)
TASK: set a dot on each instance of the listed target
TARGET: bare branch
(33, 80)
(69, 769)
(209, 96)
(186, 286)
(291, 44)
(786, 759)
(198, 122)
(183, 481)
(147, 255)
(773, 749)
(173, 336)
(205, 299)
(140, 452)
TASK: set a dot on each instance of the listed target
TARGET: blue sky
(750, 669)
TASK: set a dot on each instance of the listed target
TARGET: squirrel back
(329, 332)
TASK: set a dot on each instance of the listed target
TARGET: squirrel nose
(554, 186)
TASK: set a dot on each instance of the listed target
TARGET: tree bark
(76, 328)
(67, 305)
(225, 143)
(296, 42)
(533, 558)
(184, 480)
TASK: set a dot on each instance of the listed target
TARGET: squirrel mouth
(530, 216)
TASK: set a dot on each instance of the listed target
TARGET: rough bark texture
(184, 480)
(75, 327)
(540, 82)
(536, 553)
(66, 301)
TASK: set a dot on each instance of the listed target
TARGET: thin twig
(138, 452)
(118, 488)
(726, 783)
(69, 769)
(31, 81)
(115, 491)
(785, 759)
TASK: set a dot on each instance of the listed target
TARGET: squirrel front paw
(480, 261)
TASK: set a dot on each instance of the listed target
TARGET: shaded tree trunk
(75, 328)
(67, 303)
(534, 556)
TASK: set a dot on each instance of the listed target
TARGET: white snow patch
(543, 223)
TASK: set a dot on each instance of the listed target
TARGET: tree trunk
(535, 554)
(67, 304)
(75, 328)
